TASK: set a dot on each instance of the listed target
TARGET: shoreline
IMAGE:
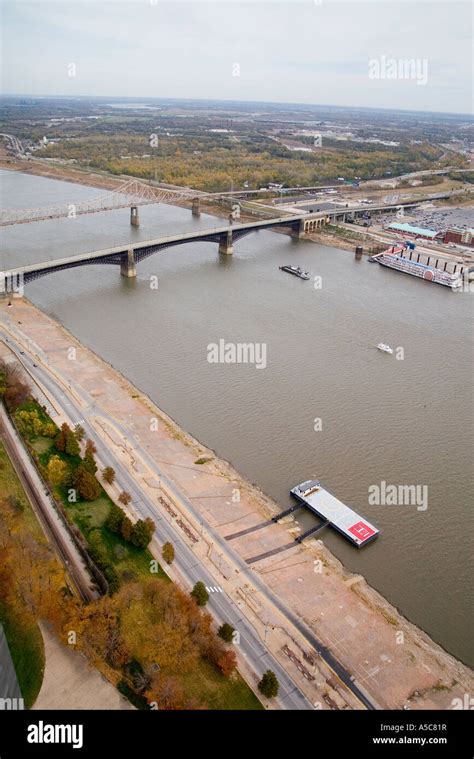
(374, 610)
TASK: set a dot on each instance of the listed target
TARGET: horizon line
(220, 100)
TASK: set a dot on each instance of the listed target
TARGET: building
(459, 236)
(410, 231)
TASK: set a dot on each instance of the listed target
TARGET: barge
(394, 259)
(329, 508)
(296, 270)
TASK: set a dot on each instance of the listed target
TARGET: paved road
(189, 565)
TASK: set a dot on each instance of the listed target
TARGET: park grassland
(21, 629)
(126, 563)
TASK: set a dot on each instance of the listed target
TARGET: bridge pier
(196, 209)
(298, 230)
(134, 217)
(127, 266)
(11, 283)
(225, 243)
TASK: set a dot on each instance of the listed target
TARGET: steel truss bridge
(127, 195)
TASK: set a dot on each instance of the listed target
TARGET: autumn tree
(269, 684)
(61, 438)
(12, 388)
(226, 661)
(200, 594)
(57, 470)
(109, 475)
(125, 498)
(86, 484)
(166, 692)
(168, 553)
(126, 528)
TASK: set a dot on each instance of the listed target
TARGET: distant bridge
(130, 194)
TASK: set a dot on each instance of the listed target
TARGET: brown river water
(381, 419)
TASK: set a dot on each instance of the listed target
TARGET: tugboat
(384, 348)
(296, 270)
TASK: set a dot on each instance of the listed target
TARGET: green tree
(79, 432)
(115, 518)
(72, 446)
(109, 475)
(269, 684)
(226, 632)
(142, 532)
(90, 463)
(200, 594)
(168, 553)
(89, 460)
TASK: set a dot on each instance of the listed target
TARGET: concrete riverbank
(396, 663)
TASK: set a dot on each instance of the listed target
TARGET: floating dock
(330, 509)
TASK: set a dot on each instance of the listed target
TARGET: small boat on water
(297, 271)
(384, 348)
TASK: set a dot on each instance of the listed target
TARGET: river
(379, 418)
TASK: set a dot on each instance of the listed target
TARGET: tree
(168, 553)
(90, 447)
(109, 475)
(226, 661)
(89, 460)
(79, 432)
(115, 518)
(226, 632)
(12, 388)
(126, 528)
(72, 446)
(269, 684)
(57, 470)
(87, 485)
(61, 438)
(200, 594)
(142, 532)
(125, 498)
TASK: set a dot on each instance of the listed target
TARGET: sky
(290, 51)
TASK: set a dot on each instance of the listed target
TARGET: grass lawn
(27, 651)
(206, 684)
(23, 634)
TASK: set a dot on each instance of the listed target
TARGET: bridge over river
(128, 255)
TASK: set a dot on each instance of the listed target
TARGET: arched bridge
(128, 255)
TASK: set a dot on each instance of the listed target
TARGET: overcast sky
(298, 51)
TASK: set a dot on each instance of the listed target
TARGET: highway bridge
(126, 256)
